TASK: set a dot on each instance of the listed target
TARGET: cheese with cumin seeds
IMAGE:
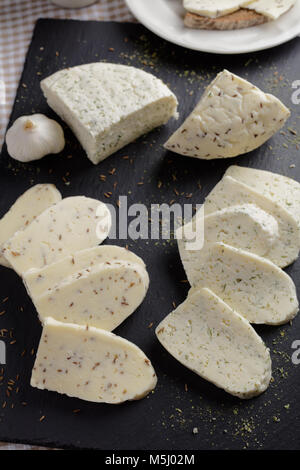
(217, 343)
(102, 296)
(233, 117)
(230, 192)
(252, 285)
(72, 224)
(214, 8)
(107, 106)
(91, 364)
(26, 208)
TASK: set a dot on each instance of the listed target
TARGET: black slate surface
(166, 418)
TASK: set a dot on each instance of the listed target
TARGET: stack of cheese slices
(81, 291)
(251, 226)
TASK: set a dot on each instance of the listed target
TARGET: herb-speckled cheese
(272, 9)
(281, 189)
(26, 208)
(66, 227)
(253, 286)
(233, 117)
(214, 8)
(102, 296)
(247, 227)
(230, 192)
(39, 281)
(108, 105)
(91, 364)
(215, 342)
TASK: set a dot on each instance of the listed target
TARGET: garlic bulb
(33, 137)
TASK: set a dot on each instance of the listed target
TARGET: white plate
(165, 18)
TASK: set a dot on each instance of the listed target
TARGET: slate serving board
(182, 401)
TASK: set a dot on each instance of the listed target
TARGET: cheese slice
(108, 105)
(68, 226)
(91, 364)
(102, 296)
(230, 192)
(217, 343)
(272, 9)
(233, 117)
(26, 208)
(214, 8)
(281, 189)
(39, 281)
(247, 227)
(253, 286)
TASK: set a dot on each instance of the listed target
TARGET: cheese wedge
(247, 227)
(70, 225)
(273, 9)
(215, 342)
(214, 8)
(230, 192)
(26, 208)
(102, 296)
(253, 286)
(39, 281)
(108, 105)
(91, 364)
(281, 189)
(233, 117)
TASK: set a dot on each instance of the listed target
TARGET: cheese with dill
(233, 117)
(70, 225)
(26, 208)
(102, 296)
(281, 189)
(252, 285)
(246, 226)
(107, 105)
(230, 192)
(214, 8)
(39, 281)
(272, 9)
(217, 343)
(91, 364)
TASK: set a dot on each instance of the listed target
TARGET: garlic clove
(32, 137)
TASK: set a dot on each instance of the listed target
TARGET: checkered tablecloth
(17, 19)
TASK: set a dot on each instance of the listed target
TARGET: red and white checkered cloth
(17, 19)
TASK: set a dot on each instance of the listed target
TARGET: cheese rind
(26, 208)
(68, 226)
(215, 342)
(214, 8)
(229, 192)
(272, 9)
(102, 296)
(253, 286)
(91, 364)
(108, 105)
(246, 226)
(281, 189)
(39, 281)
(233, 117)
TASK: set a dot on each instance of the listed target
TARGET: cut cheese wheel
(39, 281)
(253, 286)
(211, 339)
(214, 8)
(26, 208)
(91, 364)
(247, 227)
(233, 117)
(230, 192)
(273, 9)
(108, 105)
(102, 296)
(70, 225)
(281, 189)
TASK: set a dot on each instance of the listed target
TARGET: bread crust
(240, 19)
